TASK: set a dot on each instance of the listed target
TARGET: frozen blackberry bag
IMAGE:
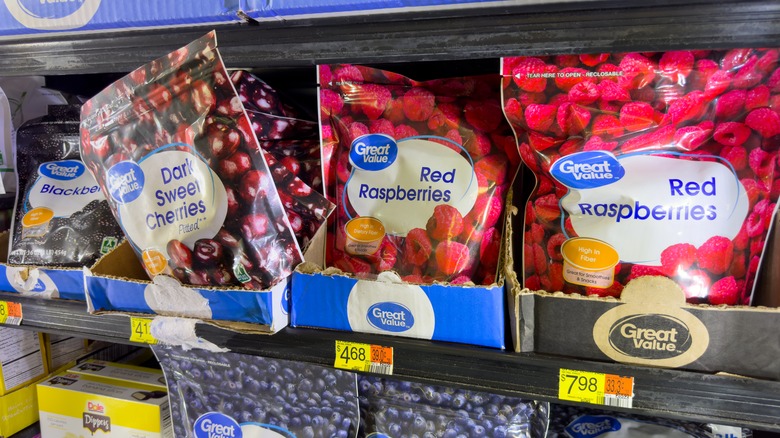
(419, 172)
(394, 409)
(61, 217)
(577, 422)
(660, 164)
(174, 152)
(256, 396)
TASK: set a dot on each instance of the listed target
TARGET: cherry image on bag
(174, 152)
(660, 164)
(419, 172)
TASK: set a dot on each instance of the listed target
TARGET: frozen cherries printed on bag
(291, 149)
(175, 154)
(281, 128)
(395, 408)
(61, 218)
(660, 164)
(419, 172)
(265, 397)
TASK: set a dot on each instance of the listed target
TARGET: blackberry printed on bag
(419, 172)
(61, 218)
(175, 155)
(660, 164)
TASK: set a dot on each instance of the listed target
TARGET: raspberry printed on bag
(61, 218)
(174, 152)
(419, 172)
(660, 164)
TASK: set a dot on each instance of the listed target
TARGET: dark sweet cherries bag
(174, 152)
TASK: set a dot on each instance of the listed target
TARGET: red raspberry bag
(419, 172)
(647, 164)
(175, 155)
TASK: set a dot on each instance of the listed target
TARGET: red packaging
(174, 152)
(661, 163)
(419, 172)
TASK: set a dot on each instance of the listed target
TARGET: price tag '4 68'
(364, 357)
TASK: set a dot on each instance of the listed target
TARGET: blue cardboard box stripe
(21, 17)
(471, 315)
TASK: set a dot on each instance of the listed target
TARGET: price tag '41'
(364, 357)
(596, 388)
(140, 331)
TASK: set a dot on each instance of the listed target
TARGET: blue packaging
(251, 396)
(264, 9)
(118, 283)
(28, 17)
(578, 422)
(442, 312)
(65, 283)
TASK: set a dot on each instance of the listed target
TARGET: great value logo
(373, 152)
(585, 170)
(648, 329)
(62, 170)
(590, 426)
(216, 425)
(390, 316)
(650, 336)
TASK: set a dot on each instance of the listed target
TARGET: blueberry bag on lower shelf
(260, 396)
(576, 422)
(392, 409)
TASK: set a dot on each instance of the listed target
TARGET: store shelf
(658, 392)
(488, 31)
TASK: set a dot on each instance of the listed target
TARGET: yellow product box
(22, 358)
(18, 410)
(62, 350)
(83, 406)
(121, 372)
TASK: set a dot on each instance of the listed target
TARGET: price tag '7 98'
(596, 388)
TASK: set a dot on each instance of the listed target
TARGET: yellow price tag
(140, 331)
(581, 386)
(352, 356)
(10, 313)
(364, 357)
(595, 388)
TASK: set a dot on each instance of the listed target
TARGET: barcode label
(381, 368)
(13, 320)
(618, 401)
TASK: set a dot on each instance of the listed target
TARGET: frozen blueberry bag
(257, 396)
(647, 164)
(61, 217)
(578, 422)
(419, 172)
(174, 151)
(393, 409)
